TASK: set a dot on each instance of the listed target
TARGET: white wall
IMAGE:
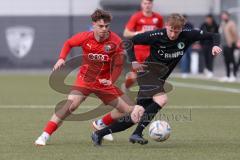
(192, 7)
(86, 7)
(46, 7)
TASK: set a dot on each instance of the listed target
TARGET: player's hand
(59, 64)
(105, 82)
(216, 50)
(138, 66)
(137, 113)
(139, 32)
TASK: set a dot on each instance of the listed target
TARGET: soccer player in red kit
(140, 22)
(101, 65)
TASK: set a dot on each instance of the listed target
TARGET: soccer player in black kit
(167, 47)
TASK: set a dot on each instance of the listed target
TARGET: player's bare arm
(129, 34)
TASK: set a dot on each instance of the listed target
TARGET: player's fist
(216, 50)
(137, 113)
(138, 66)
(59, 64)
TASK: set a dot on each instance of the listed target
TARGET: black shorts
(149, 85)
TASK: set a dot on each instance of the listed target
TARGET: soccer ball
(159, 130)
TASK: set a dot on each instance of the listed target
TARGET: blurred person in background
(238, 62)
(144, 20)
(209, 25)
(229, 37)
(186, 59)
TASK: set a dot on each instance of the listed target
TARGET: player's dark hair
(176, 20)
(101, 14)
(209, 16)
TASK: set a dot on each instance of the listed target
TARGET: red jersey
(139, 22)
(97, 56)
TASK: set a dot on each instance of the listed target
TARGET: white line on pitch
(205, 87)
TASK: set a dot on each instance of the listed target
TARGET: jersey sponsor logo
(98, 57)
(180, 45)
(148, 27)
(20, 40)
(155, 20)
(174, 54)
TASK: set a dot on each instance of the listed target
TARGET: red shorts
(105, 93)
(141, 52)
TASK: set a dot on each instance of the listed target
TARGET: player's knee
(161, 100)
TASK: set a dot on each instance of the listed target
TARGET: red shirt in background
(139, 22)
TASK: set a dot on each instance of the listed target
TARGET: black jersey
(169, 52)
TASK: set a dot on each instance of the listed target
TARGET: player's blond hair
(176, 20)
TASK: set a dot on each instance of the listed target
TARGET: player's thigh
(160, 98)
(76, 97)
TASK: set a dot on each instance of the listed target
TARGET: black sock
(121, 125)
(148, 115)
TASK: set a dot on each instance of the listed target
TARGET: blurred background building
(32, 32)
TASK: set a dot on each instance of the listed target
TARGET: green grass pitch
(205, 124)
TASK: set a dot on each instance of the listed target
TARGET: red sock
(107, 119)
(129, 82)
(50, 127)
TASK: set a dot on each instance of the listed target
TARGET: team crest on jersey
(20, 40)
(155, 20)
(109, 47)
(181, 45)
